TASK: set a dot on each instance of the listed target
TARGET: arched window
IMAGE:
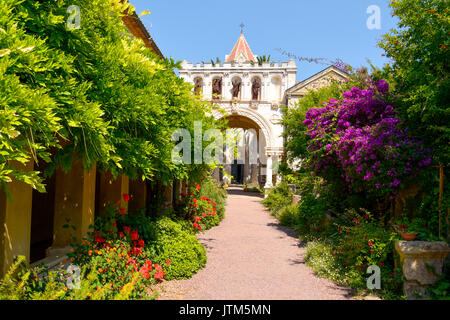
(217, 88)
(236, 82)
(256, 89)
(198, 85)
(276, 89)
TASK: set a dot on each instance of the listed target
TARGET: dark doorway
(237, 171)
(42, 214)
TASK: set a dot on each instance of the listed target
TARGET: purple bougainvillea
(360, 141)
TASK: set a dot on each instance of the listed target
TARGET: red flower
(122, 210)
(114, 224)
(134, 235)
(197, 187)
(145, 272)
(159, 275)
(443, 47)
(126, 229)
(137, 251)
(382, 263)
(168, 262)
(148, 263)
(204, 214)
(370, 243)
(121, 234)
(432, 11)
(126, 197)
(98, 239)
(141, 243)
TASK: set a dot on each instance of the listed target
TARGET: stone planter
(415, 256)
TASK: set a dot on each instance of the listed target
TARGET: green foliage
(211, 190)
(297, 140)
(263, 59)
(279, 197)
(419, 49)
(181, 247)
(42, 284)
(440, 290)
(94, 91)
(288, 216)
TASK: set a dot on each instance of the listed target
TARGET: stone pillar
(168, 195)
(254, 175)
(138, 195)
(74, 205)
(415, 257)
(111, 190)
(246, 165)
(268, 184)
(15, 221)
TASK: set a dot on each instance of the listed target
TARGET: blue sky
(201, 30)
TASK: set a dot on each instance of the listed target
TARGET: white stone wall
(275, 78)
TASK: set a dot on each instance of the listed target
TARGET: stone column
(138, 195)
(269, 184)
(74, 205)
(246, 164)
(111, 190)
(216, 174)
(254, 175)
(15, 221)
(168, 195)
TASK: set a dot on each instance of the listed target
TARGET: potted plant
(408, 229)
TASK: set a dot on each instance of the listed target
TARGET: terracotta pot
(408, 236)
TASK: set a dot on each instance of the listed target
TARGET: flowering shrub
(364, 241)
(118, 252)
(117, 262)
(359, 142)
(201, 210)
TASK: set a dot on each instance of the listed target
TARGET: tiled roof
(241, 49)
(137, 28)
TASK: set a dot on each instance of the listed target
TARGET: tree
(95, 92)
(419, 73)
(263, 59)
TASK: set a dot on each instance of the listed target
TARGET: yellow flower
(100, 270)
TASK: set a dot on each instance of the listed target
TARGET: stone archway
(256, 169)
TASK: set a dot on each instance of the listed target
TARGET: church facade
(251, 91)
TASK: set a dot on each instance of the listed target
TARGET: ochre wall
(15, 221)
(74, 204)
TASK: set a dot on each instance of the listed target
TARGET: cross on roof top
(242, 25)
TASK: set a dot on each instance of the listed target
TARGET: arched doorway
(246, 162)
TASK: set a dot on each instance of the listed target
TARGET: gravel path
(251, 257)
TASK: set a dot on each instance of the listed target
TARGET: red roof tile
(241, 48)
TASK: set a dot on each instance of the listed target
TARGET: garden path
(250, 256)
